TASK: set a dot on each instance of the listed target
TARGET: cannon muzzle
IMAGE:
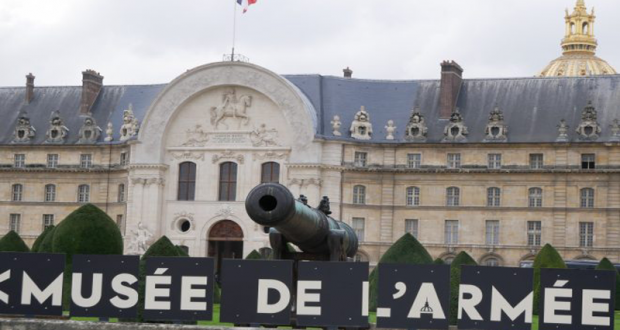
(273, 205)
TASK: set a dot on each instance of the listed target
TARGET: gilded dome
(579, 48)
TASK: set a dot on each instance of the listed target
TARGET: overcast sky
(154, 41)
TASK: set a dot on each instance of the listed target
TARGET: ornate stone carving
(187, 155)
(615, 131)
(228, 154)
(130, 124)
(455, 131)
(138, 240)
(336, 123)
(496, 130)
(24, 132)
(231, 107)
(137, 181)
(89, 132)
(270, 155)
(390, 129)
(562, 131)
(225, 211)
(306, 182)
(416, 128)
(109, 133)
(361, 128)
(588, 129)
(57, 131)
(263, 137)
(196, 137)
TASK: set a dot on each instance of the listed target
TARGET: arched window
(413, 196)
(491, 262)
(453, 196)
(535, 197)
(50, 193)
(359, 195)
(585, 28)
(493, 197)
(83, 193)
(270, 172)
(187, 181)
(18, 190)
(121, 193)
(587, 197)
(228, 181)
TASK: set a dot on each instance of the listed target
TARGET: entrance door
(225, 242)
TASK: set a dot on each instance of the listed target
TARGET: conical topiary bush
(37, 243)
(254, 255)
(462, 259)
(87, 230)
(11, 242)
(407, 250)
(46, 242)
(439, 261)
(605, 264)
(547, 257)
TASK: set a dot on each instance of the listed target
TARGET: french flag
(246, 4)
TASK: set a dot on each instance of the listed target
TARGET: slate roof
(532, 107)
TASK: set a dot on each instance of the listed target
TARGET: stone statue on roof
(361, 128)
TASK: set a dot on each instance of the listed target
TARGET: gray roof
(532, 107)
(108, 107)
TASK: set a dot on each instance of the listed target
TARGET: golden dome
(579, 48)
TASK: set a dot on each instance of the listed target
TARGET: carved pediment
(89, 132)
(496, 130)
(361, 128)
(455, 130)
(57, 131)
(588, 129)
(24, 132)
(416, 129)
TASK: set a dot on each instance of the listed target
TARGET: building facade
(495, 167)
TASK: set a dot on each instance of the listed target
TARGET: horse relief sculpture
(232, 106)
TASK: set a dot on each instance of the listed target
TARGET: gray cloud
(148, 41)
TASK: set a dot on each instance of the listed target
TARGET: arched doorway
(225, 242)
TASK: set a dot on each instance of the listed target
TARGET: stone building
(495, 167)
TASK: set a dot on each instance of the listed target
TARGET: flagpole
(232, 57)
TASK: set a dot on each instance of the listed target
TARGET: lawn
(372, 318)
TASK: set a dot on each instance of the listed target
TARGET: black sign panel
(31, 283)
(256, 291)
(413, 296)
(332, 294)
(105, 286)
(496, 298)
(178, 288)
(573, 299)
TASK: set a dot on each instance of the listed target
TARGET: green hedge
(254, 255)
(439, 261)
(605, 264)
(11, 242)
(46, 242)
(407, 250)
(39, 241)
(87, 230)
(547, 257)
(462, 259)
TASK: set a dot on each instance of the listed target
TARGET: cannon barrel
(273, 205)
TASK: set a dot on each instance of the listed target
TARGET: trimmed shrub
(87, 230)
(407, 250)
(46, 243)
(11, 242)
(181, 251)
(547, 257)
(254, 255)
(462, 259)
(605, 264)
(439, 261)
(37, 243)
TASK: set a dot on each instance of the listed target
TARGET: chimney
(29, 88)
(348, 73)
(91, 86)
(451, 81)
